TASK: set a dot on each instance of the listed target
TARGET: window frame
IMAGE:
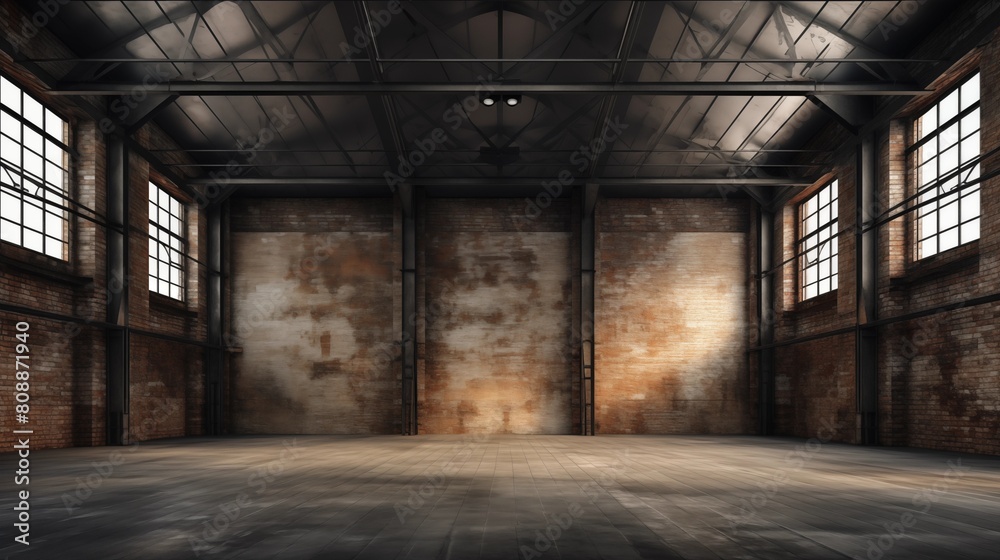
(826, 233)
(173, 241)
(932, 194)
(51, 200)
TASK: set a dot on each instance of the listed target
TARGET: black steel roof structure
(675, 98)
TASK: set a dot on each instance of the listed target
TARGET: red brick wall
(671, 316)
(313, 311)
(938, 385)
(938, 373)
(814, 382)
(68, 377)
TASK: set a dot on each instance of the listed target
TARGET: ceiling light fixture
(491, 99)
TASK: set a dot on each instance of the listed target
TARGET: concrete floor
(497, 497)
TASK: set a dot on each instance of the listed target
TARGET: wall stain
(324, 343)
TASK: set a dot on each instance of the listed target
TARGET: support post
(214, 357)
(117, 338)
(587, 303)
(866, 361)
(409, 334)
(765, 320)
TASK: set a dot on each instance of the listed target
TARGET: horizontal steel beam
(285, 60)
(800, 88)
(742, 165)
(476, 151)
(500, 182)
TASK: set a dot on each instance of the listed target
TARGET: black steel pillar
(587, 282)
(409, 332)
(117, 288)
(214, 358)
(866, 362)
(765, 320)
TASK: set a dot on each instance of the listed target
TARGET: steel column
(117, 291)
(587, 303)
(866, 362)
(214, 357)
(765, 320)
(409, 334)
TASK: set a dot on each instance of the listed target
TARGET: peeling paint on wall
(498, 323)
(312, 365)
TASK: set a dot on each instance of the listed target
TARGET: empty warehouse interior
(359, 279)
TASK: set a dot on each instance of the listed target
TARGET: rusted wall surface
(497, 318)
(671, 317)
(314, 315)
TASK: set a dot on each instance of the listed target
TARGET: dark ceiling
(689, 95)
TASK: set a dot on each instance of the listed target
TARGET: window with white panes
(818, 242)
(34, 159)
(167, 245)
(946, 158)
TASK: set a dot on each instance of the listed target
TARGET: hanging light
(512, 100)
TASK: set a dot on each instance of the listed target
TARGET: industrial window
(166, 244)
(947, 157)
(818, 242)
(33, 177)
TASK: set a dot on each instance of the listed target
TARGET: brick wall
(68, 371)
(814, 382)
(671, 316)
(313, 310)
(497, 312)
(938, 386)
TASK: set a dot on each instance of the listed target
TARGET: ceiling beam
(852, 113)
(896, 70)
(383, 109)
(93, 64)
(797, 88)
(614, 105)
(353, 60)
(146, 110)
(564, 32)
(515, 181)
